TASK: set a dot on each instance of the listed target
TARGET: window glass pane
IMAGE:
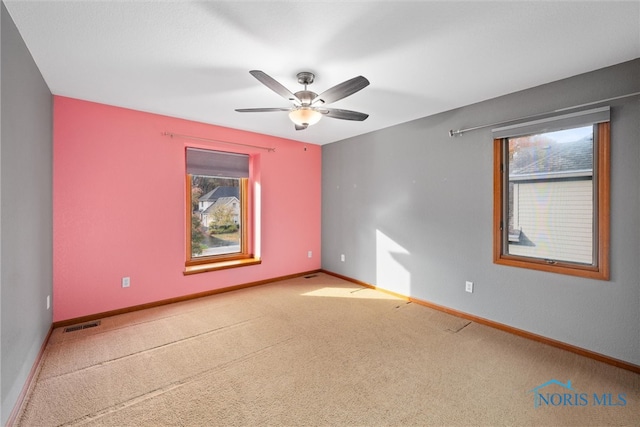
(215, 216)
(550, 195)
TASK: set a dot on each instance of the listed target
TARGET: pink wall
(119, 210)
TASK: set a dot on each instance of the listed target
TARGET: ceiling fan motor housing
(305, 96)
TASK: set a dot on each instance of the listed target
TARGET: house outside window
(551, 194)
(218, 207)
(216, 228)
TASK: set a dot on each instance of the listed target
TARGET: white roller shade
(217, 163)
(550, 124)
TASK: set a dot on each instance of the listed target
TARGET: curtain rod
(458, 132)
(197, 138)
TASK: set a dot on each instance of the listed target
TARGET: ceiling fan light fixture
(305, 116)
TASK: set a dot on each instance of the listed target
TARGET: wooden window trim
(601, 270)
(220, 262)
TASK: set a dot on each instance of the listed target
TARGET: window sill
(221, 265)
(589, 272)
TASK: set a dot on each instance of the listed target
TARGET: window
(551, 194)
(218, 205)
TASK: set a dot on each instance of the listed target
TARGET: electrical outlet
(468, 286)
(342, 257)
(309, 254)
(126, 282)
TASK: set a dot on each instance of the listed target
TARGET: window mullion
(504, 177)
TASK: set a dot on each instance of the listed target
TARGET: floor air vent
(83, 326)
(310, 276)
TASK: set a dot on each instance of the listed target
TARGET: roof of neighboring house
(219, 192)
(553, 157)
(222, 201)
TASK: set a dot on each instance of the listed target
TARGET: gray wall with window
(411, 210)
(26, 254)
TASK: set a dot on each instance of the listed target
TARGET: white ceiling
(192, 59)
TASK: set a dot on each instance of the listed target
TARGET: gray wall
(26, 254)
(411, 209)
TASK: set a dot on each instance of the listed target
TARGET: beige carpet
(314, 351)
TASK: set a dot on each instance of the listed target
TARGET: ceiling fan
(308, 107)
